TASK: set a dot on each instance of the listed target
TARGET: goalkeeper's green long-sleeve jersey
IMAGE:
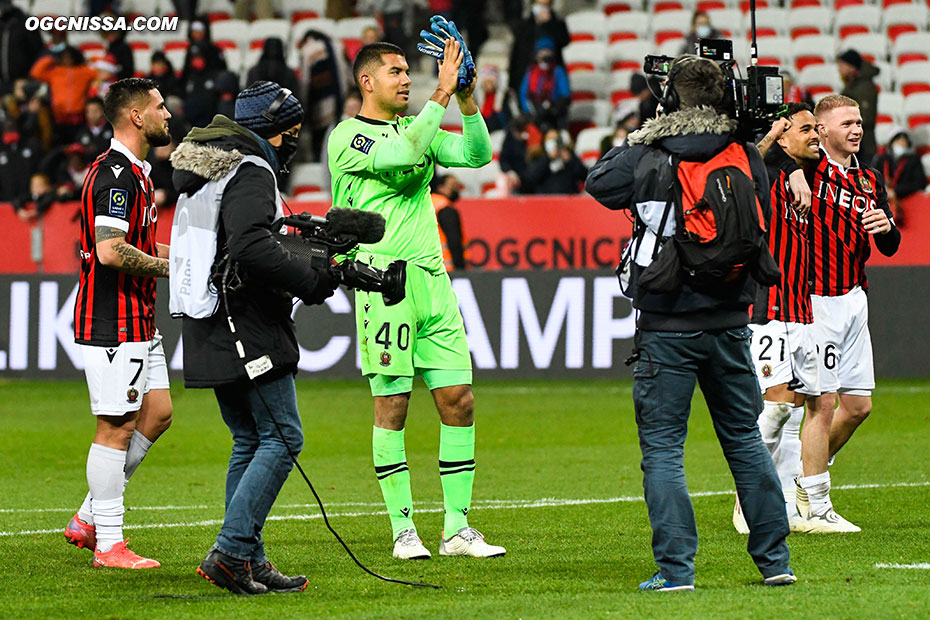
(387, 166)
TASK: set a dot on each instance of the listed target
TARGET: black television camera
(341, 230)
(754, 102)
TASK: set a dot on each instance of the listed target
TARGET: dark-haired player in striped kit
(849, 206)
(783, 347)
(114, 317)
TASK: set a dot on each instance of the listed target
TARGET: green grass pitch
(558, 484)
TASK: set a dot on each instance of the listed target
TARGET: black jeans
(663, 384)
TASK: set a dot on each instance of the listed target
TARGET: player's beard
(157, 135)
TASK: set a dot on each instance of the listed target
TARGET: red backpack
(721, 234)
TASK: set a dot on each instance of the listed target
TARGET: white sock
(818, 491)
(105, 480)
(138, 447)
(771, 420)
(86, 511)
(787, 457)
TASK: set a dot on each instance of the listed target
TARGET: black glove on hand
(326, 285)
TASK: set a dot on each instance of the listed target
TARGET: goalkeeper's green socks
(391, 468)
(457, 473)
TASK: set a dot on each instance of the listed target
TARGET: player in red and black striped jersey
(783, 348)
(114, 317)
(849, 206)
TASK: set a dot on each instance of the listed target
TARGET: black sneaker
(230, 573)
(271, 577)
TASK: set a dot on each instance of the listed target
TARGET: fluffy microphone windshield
(367, 226)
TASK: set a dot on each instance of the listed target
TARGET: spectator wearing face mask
(545, 92)
(557, 170)
(700, 29)
(203, 56)
(200, 94)
(617, 138)
(162, 73)
(901, 168)
(542, 23)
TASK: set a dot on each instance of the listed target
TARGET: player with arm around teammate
(849, 208)
(783, 347)
(114, 317)
(384, 163)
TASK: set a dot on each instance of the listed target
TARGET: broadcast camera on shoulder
(755, 102)
(323, 238)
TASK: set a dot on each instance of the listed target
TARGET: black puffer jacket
(694, 134)
(247, 214)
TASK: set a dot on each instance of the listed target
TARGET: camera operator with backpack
(701, 206)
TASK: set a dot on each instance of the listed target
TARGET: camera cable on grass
(258, 367)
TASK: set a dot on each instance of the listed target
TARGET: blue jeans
(260, 463)
(664, 378)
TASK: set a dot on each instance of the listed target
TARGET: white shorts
(786, 353)
(118, 377)
(841, 330)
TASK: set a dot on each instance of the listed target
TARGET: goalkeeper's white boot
(469, 541)
(739, 521)
(828, 522)
(408, 546)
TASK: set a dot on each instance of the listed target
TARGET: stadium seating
(890, 107)
(588, 85)
(232, 29)
(872, 46)
(54, 7)
(911, 46)
(585, 56)
(586, 26)
(628, 54)
(809, 20)
(727, 20)
(618, 86)
(262, 29)
(820, 79)
(770, 22)
(917, 109)
(812, 50)
(630, 25)
(914, 77)
(583, 114)
(672, 24)
(861, 19)
(925, 162)
(588, 144)
(310, 177)
(610, 7)
(296, 10)
(899, 19)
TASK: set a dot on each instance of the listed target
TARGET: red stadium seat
(218, 16)
(296, 16)
(609, 7)
(174, 45)
(895, 30)
(760, 4)
(840, 4)
(710, 5)
(660, 6)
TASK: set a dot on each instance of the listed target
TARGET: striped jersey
(113, 306)
(839, 245)
(788, 301)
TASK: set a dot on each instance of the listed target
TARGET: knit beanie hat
(851, 57)
(252, 109)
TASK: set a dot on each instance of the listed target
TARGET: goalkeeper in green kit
(382, 162)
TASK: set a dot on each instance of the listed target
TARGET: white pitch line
(921, 566)
(487, 505)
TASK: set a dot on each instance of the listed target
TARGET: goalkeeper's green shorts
(422, 335)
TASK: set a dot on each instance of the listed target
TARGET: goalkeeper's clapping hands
(449, 67)
(441, 31)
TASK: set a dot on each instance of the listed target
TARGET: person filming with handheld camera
(700, 201)
(234, 290)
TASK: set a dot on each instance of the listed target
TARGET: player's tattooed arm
(113, 251)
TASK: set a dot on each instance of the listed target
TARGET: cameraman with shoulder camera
(228, 209)
(693, 333)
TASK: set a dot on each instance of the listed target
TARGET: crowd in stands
(556, 90)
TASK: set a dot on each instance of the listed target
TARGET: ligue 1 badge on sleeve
(766, 371)
(385, 358)
(132, 395)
